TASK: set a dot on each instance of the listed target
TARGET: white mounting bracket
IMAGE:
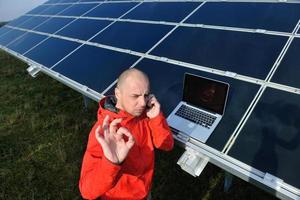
(192, 162)
(33, 70)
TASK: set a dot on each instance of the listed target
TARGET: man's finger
(126, 132)
(113, 125)
(99, 137)
(105, 126)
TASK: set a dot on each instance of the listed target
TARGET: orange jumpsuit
(133, 178)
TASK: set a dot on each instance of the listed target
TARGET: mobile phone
(148, 105)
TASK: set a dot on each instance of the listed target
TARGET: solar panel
(26, 42)
(75, 30)
(134, 36)
(162, 11)
(251, 45)
(248, 15)
(289, 68)
(244, 53)
(272, 132)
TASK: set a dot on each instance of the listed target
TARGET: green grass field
(43, 134)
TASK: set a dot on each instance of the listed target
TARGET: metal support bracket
(192, 162)
(33, 70)
(227, 181)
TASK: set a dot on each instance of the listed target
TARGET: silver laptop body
(201, 108)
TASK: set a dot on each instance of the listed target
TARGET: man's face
(133, 95)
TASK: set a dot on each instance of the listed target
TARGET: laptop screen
(205, 93)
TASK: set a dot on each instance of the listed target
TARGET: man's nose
(142, 101)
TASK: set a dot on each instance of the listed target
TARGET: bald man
(119, 160)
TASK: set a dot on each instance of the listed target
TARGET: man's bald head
(132, 91)
(131, 74)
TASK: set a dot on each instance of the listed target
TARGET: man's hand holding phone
(153, 107)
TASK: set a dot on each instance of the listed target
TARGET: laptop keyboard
(196, 116)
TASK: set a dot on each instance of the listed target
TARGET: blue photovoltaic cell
(95, 67)
(162, 11)
(167, 85)
(68, 1)
(53, 25)
(113, 10)
(19, 21)
(273, 133)
(248, 54)
(24, 43)
(133, 36)
(51, 51)
(4, 30)
(55, 9)
(83, 28)
(269, 16)
(38, 10)
(90, 0)
(10, 36)
(33, 22)
(78, 9)
(53, 1)
(288, 70)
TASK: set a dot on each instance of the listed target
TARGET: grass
(43, 134)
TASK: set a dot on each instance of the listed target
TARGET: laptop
(201, 108)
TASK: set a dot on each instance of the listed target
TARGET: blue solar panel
(33, 22)
(95, 67)
(77, 9)
(10, 36)
(272, 132)
(289, 68)
(76, 30)
(26, 42)
(51, 51)
(90, 0)
(244, 53)
(55, 9)
(111, 10)
(68, 1)
(53, 25)
(38, 10)
(4, 30)
(19, 21)
(53, 1)
(162, 11)
(269, 16)
(133, 36)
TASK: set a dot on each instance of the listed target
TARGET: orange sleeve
(98, 175)
(161, 134)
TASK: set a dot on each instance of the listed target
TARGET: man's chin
(138, 113)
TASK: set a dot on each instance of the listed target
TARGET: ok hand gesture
(114, 147)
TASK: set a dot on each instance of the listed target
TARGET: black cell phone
(149, 98)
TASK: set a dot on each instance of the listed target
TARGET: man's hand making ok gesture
(114, 147)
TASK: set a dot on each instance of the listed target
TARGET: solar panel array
(254, 46)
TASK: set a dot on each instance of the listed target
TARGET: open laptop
(201, 108)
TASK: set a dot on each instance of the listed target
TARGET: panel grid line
(206, 26)
(175, 1)
(155, 45)
(86, 42)
(50, 35)
(239, 128)
(175, 62)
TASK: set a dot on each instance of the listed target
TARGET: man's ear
(117, 93)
